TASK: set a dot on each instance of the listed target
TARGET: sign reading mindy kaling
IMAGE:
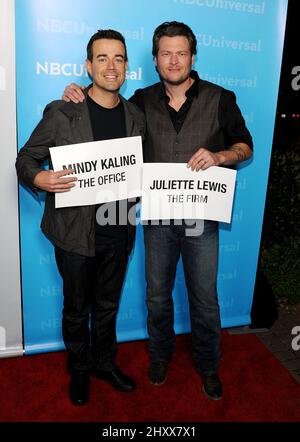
(106, 171)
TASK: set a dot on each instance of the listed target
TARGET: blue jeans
(164, 245)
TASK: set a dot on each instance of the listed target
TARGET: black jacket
(70, 228)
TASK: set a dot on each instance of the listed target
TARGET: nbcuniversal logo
(2, 79)
(65, 69)
(76, 70)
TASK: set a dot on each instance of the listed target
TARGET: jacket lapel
(81, 123)
(129, 122)
(84, 123)
(81, 128)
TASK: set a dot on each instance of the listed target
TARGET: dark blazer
(70, 228)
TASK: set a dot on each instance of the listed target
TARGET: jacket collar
(80, 113)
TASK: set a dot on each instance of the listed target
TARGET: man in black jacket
(91, 258)
(199, 123)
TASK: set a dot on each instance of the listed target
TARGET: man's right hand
(53, 182)
(73, 92)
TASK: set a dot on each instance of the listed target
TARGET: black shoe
(158, 372)
(212, 386)
(79, 387)
(116, 378)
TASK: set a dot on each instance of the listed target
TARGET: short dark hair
(173, 29)
(108, 34)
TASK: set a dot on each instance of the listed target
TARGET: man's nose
(174, 58)
(110, 64)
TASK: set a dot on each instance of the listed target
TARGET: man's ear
(155, 61)
(88, 65)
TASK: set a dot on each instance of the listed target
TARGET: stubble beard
(175, 82)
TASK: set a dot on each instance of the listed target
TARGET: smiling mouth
(110, 77)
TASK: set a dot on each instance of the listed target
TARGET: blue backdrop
(239, 47)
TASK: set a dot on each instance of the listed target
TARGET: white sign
(173, 191)
(108, 170)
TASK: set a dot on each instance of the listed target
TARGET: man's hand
(53, 182)
(203, 159)
(73, 92)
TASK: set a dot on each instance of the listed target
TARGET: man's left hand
(203, 159)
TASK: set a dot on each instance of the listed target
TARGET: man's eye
(102, 59)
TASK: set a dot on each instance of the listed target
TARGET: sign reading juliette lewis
(172, 191)
(108, 170)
